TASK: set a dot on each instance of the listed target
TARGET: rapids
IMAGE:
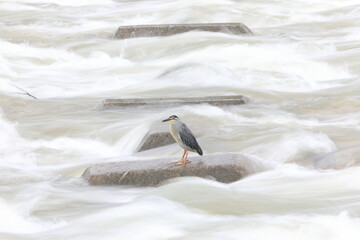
(300, 70)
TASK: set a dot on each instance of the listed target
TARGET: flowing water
(300, 69)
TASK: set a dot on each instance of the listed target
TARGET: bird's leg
(181, 162)
(186, 161)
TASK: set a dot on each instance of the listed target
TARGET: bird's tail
(199, 151)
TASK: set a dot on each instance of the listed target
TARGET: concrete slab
(134, 31)
(213, 100)
(224, 168)
(155, 140)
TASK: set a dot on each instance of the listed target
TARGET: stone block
(155, 140)
(134, 31)
(213, 100)
(225, 168)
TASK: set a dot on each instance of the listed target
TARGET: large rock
(213, 100)
(134, 31)
(224, 168)
(155, 140)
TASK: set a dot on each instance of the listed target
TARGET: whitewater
(300, 70)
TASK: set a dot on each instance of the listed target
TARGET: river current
(300, 70)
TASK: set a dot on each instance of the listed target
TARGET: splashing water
(300, 71)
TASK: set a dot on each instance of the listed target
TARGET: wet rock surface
(134, 31)
(213, 100)
(225, 168)
(155, 140)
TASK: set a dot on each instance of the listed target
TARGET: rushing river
(300, 69)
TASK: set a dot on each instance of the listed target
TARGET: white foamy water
(300, 69)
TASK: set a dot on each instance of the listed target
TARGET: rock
(155, 140)
(213, 100)
(134, 31)
(225, 168)
(339, 159)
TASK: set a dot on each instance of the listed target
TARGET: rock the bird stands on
(224, 168)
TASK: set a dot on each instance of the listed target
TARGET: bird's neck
(171, 127)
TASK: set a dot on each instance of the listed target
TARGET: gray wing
(188, 139)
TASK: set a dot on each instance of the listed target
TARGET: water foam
(292, 146)
(13, 222)
(13, 148)
(303, 46)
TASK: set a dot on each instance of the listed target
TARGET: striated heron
(184, 137)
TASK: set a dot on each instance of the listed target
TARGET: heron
(184, 137)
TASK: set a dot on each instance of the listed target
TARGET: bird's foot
(179, 163)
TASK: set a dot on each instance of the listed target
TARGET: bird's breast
(173, 133)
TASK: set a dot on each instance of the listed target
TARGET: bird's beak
(165, 120)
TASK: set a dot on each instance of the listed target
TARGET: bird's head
(171, 118)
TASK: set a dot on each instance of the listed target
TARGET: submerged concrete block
(340, 159)
(224, 168)
(134, 31)
(213, 100)
(155, 140)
